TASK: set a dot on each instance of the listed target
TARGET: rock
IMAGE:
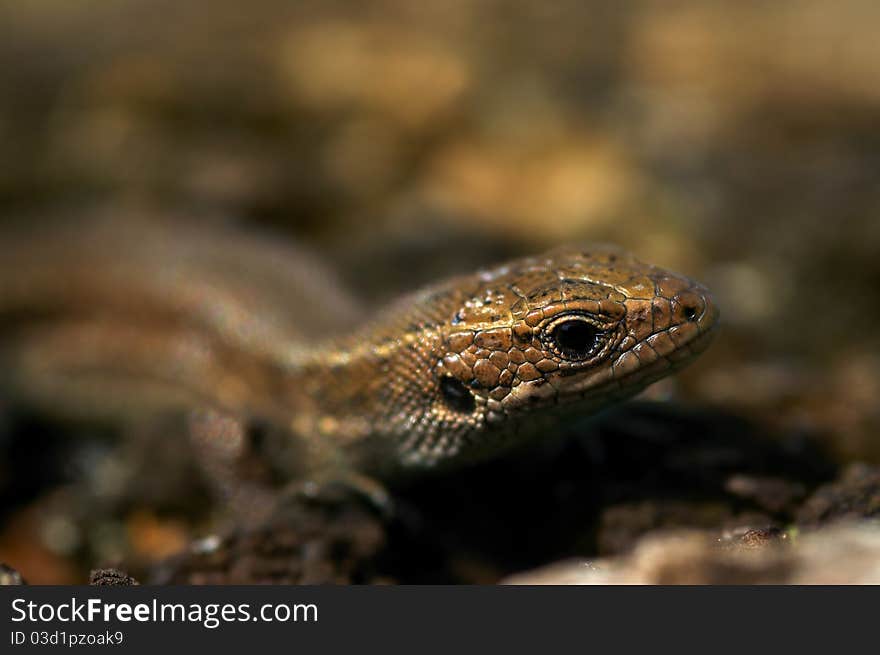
(855, 494)
(111, 578)
(9, 576)
(843, 554)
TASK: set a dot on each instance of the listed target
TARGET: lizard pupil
(456, 395)
(575, 338)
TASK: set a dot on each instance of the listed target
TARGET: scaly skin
(459, 371)
(464, 369)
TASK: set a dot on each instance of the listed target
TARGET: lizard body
(455, 372)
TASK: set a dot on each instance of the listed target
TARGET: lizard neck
(354, 397)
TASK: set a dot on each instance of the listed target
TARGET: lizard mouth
(663, 365)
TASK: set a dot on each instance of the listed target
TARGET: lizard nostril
(692, 305)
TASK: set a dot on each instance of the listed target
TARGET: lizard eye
(456, 395)
(574, 338)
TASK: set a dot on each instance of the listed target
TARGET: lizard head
(567, 332)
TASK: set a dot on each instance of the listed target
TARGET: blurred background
(736, 142)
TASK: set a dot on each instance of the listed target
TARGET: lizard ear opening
(456, 395)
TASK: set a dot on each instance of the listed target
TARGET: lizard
(143, 313)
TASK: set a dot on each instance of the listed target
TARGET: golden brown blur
(403, 141)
